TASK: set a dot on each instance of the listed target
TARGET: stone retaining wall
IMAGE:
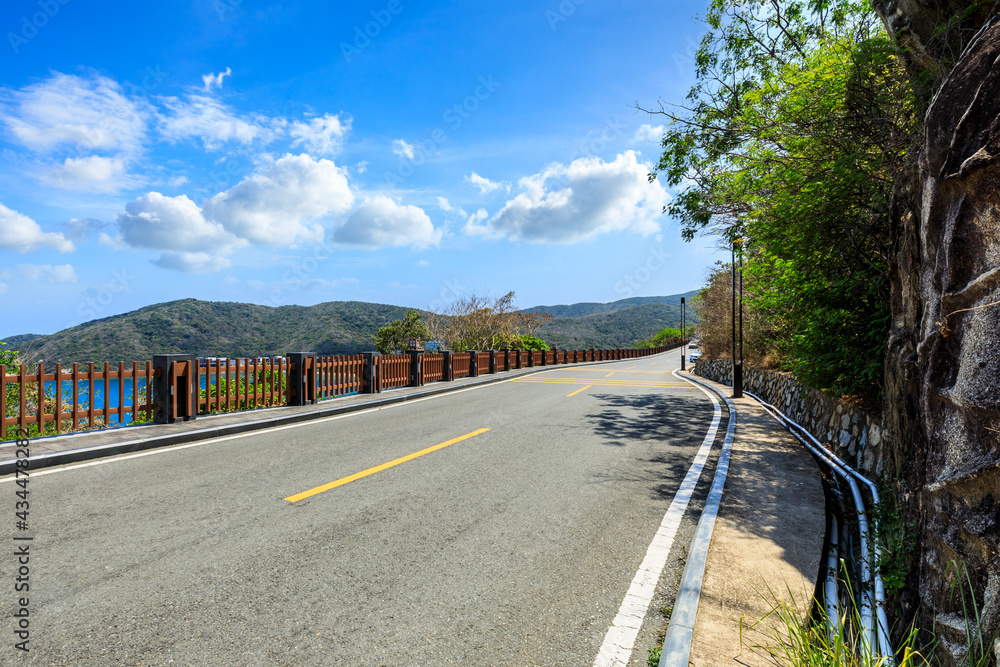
(852, 434)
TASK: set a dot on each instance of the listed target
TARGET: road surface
(501, 525)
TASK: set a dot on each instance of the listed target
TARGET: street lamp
(738, 367)
(683, 340)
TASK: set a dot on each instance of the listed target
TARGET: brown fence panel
(228, 385)
(431, 368)
(483, 363)
(47, 403)
(461, 365)
(339, 375)
(393, 371)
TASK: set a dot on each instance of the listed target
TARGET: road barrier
(180, 387)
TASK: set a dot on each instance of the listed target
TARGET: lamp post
(683, 339)
(738, 366)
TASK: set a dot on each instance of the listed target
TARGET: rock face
(942, 410)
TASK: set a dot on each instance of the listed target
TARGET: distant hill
(224, 329)
(590, 308)
(214, 329)
(615, 328)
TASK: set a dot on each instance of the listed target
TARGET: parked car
(694, 354)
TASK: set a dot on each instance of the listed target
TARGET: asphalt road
(513, 546)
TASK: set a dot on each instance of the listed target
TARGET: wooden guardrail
(178, 387)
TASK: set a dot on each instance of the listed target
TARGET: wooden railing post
(301, 378)
(175, 394)
(493, 361)
(473, 363)
(448, 371)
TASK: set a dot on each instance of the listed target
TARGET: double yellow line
(371, 471)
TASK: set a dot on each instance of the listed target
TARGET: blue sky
(300, 152)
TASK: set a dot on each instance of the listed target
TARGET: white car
(694, 354)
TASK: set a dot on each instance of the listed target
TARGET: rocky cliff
(942, 408)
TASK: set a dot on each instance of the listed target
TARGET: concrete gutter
(676, 649)
(319, 411)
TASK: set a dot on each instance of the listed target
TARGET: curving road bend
(501, 525)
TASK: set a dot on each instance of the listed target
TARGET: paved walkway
(767, 543)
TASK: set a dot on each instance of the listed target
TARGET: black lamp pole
(737, 367)
(683, 339)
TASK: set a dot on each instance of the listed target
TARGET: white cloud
(362, 166)
(565, 204)
(178, 181)
(474, 226)
(172, 224)
(64, 110)
(213, 122)
(380, 222)
(215, 80)
(62, 273)
(400, 147)
(275, 204)
(423, 262)
(485, 185)
(445, 205)
(192, 262)
(78, 230)
(648, 132)
(94, 173)
(22, 234)
(322, 135)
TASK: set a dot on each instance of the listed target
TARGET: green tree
(792, 140)
(397, 335)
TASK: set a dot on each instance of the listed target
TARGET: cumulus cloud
(275, 204)
(400, 147)
(62, 273)
(215, 80)
(207, 118)
(65, 110)
(192, 262)
(94, 173)
(78, 229)
(566, 204)
(485, 185)
(648, 132)
(22, 234)
(172, 224)
(323, 135)
(380, 222)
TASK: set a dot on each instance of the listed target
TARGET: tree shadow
(676, 424)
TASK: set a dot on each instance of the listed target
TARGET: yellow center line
(579, 390)
(371, 471)
(609, 374)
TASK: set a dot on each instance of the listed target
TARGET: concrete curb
(676, 649)
(8, 466)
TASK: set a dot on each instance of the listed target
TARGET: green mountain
(616, 328)
(223, 329)
(590, 308)
(215, 329)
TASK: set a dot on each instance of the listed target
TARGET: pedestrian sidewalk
(767, 543)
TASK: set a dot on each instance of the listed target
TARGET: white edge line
(676, 649)
(620, 639)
